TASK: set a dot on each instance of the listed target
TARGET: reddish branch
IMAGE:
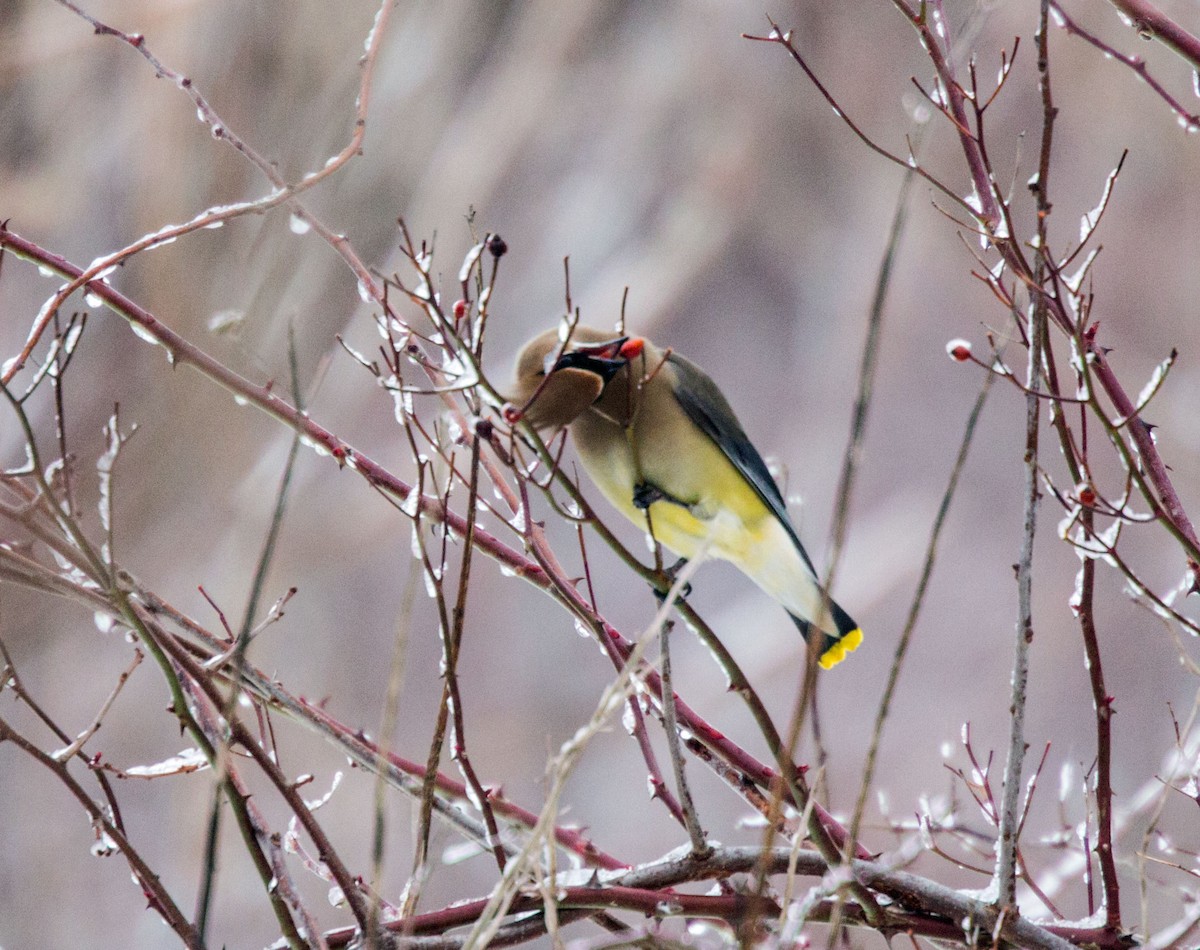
(1154, 465)
(193, 672)
(936, 913)
(282, 191)
(1152, 23)
(184, 352)
(931, 910)
(992, 215)
(573, 841)
(152, 887)
(919, 892)
(964, 107)
(263, 396)
(1104, 711)
(1190, 120)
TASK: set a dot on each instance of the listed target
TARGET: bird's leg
(672, 573)
(646, 494)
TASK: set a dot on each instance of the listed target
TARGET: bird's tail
(836, 645)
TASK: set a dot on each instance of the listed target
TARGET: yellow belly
(722, 510)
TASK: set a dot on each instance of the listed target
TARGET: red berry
(959, 350)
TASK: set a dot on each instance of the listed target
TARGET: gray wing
(704, 404)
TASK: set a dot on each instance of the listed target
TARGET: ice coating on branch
(1087, 223)
(316, 803)
(1079, 364)
(1075, 280)
(409, 506)
(469, 262)
(104, 467)
(973, 201)
(519, 522)
(142, 333)
(318, 448)
(936, 95)
(1076, 598)
(461, 851)
(1179, 590)
(433, 578)
(103, 267)
(104, 846)
(939, 25)
(1151, 387)
(403, 405)
(188, 760)
(925, 835)
(370, 38)
(989, 895)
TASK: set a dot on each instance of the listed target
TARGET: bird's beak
(604, 359)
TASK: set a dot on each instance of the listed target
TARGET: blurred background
(661, 152)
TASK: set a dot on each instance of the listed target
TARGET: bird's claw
(671, 574)
(645, 495)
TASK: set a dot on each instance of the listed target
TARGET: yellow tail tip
(836, 653)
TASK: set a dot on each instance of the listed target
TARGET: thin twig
(1151, 23)
(1006, 850)
(1189, 120)
(281, 192)
(914, 611)
(700, 845)
(149, 882)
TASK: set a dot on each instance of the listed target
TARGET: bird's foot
(671, 574)
(645, 494)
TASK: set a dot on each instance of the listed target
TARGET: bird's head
(555, 383)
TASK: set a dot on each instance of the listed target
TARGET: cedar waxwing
(659, 440)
